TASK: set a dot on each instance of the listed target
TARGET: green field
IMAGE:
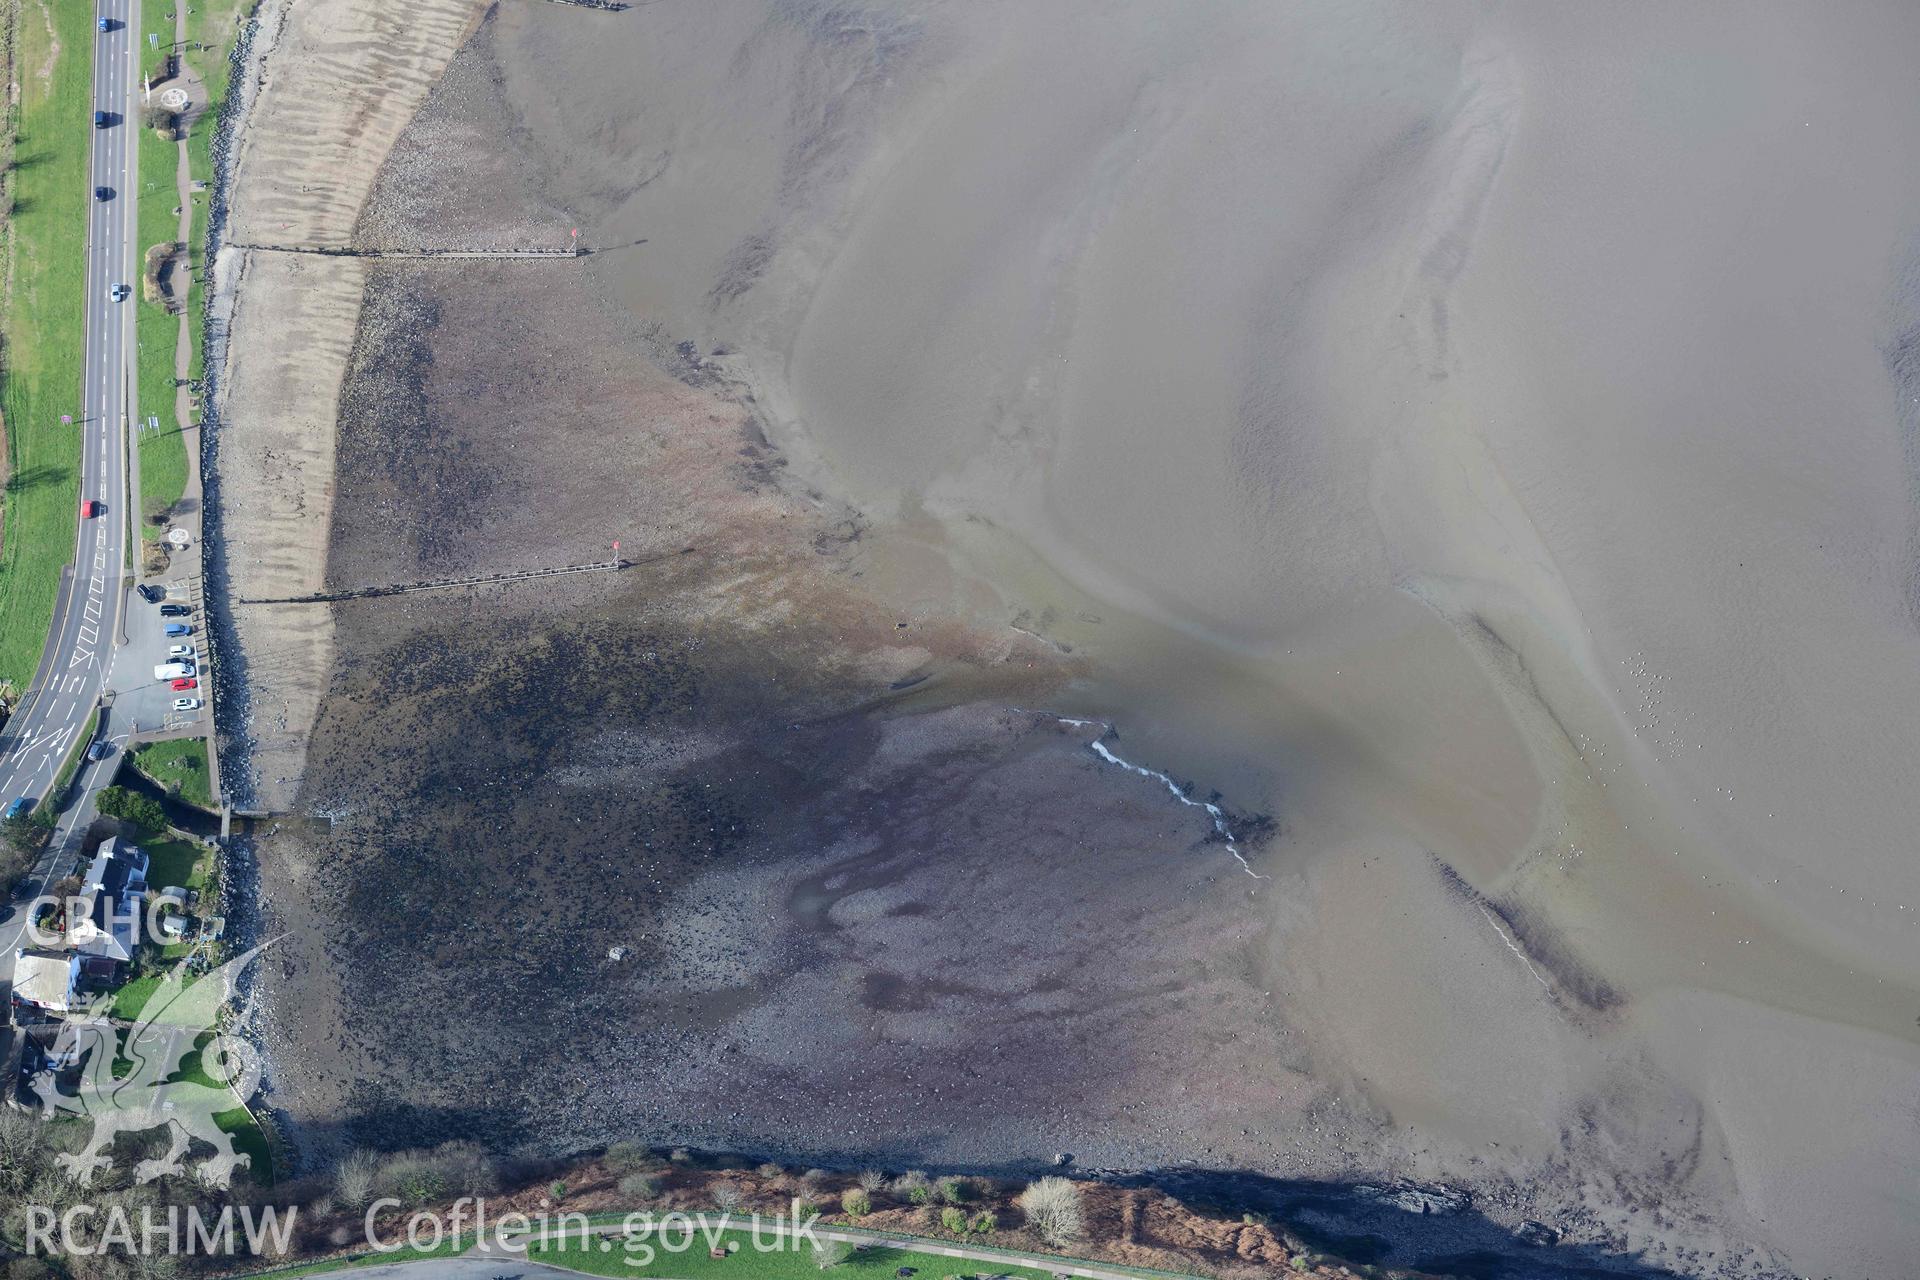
(745, 1263)
(180, 765)
(43, 327)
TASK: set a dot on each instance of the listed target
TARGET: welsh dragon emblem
(162, 1088)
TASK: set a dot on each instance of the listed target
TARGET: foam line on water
(1220, 824)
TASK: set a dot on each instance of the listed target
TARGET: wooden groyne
(477, 580)
(343, 251)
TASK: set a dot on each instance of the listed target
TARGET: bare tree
(1052, 1206)
(828, 1254)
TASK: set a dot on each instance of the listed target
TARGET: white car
(186, 704)
(173, 671)
(184, 652)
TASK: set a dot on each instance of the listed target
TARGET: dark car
(175, 611)
(103, 193)
(106, 24)
(151, 593)
(100, 750)
(101, 119)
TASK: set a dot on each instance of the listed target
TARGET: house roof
(45, 979)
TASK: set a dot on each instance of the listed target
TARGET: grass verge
(445, 1249)
(613, 1255)
(43, 321)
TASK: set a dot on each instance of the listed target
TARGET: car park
(179, 629)
(186, 704)
(185, 683)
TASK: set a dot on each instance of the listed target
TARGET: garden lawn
(43, 321)
(181, 766)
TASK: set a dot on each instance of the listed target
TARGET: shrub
(804, 1207)
(956, 1190)
(920, 1195)
(856, 1202)
(627, 1156)
(986, 1222)
(680, 1155)
(769, 1171)
(906, 1182)
(1299, 1262)
(412, 1177)
(1052, 1206)
(727, 1197)
(814, 1177)
(141, 811)
(640, 1186)
(558, 1191)
(953, 1220)
(872, 1180)
(467, 1167)
(353, 1179)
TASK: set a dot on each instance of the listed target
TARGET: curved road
(80, 647)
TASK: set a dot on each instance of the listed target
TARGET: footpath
(516, 1249)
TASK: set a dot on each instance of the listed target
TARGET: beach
(1474, 450)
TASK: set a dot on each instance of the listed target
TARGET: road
(80, 647)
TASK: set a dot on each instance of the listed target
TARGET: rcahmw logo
(85, 1231)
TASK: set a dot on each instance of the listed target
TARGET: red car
(89, 508)
(186, 682)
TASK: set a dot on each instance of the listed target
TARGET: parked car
(150, 593)
(185, 682)
(182, 651)
(20, 808)
(91, 507)
(100, 750)
(173, 671)
(103, 193)
(175, 611)
(186, 704)
(179, 629)
(118, 293)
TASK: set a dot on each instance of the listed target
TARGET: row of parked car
(179, 670)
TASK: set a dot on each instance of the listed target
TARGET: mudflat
(1475, 449)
